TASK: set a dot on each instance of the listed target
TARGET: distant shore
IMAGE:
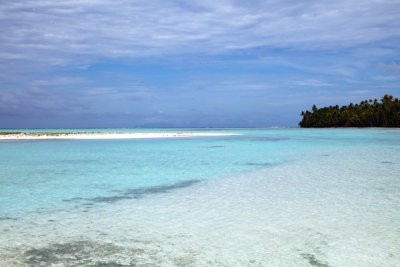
(64, 136)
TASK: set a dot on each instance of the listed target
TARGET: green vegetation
(42, 133)
(7, 133)
(47, 134)
(369, 113)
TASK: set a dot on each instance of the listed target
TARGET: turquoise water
(268, 197)
(43, 175)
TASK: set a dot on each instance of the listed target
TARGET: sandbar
(66, 136)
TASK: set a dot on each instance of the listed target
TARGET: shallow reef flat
(275, 197)
(308, 212)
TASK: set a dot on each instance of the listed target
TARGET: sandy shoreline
(37, 136)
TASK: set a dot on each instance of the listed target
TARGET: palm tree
(369, 113)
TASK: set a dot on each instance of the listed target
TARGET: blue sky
(110, 63)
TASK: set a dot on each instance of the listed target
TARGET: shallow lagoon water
(271, 197)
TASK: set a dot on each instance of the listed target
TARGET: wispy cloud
(61, 32)
(393, 67)
(229, 57)
(314, 83)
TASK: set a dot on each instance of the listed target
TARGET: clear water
(270, 197)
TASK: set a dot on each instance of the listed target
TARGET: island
(368, 113)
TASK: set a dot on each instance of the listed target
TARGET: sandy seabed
(295, 214)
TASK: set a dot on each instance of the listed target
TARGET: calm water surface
(269, 197)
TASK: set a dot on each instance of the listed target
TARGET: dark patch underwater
(7, 219)
(258, 164)
(79, 253)
(137, 193)
(268, 139)
(313, 260)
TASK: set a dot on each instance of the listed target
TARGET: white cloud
(314, 83)
(70, 31)
(361, 92)
(42, 41)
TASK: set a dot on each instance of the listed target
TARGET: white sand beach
(63, 136)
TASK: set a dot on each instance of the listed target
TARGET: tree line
(369, 113)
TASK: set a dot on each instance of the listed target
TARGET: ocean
(268, 197)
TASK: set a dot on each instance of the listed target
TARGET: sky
(198, 63)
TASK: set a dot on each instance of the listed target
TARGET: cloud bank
(68, 31)
(137, 57)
